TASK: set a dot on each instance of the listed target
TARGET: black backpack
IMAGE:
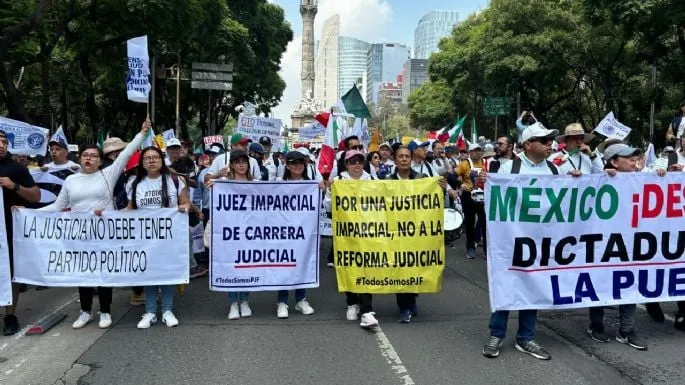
(516, 166)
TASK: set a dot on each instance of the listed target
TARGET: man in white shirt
(419, 163)
(220, 165)
(59, 153)
(672, 161)
(270, 161)
(577, 155)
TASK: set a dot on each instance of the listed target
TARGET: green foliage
(431, 105)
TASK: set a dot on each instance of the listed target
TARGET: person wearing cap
(576, 155)
(419, 152)
(468, 172)
(59, 154)
(440, 163)
(386, 152)
(271, 161)
(310, 161)
(220, 165)
(90, 191)
(357, 303)
(18, 189)
(174, 151)
(294, 171)
(349, 143)
(620, 158)
(537, 147)
(256, 152)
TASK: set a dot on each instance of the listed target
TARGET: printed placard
(265, 236)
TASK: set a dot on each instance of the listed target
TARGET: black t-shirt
(19, 175)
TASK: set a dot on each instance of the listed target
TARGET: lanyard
(580, 161)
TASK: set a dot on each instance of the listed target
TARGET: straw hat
(113, 144)
(575, 129)
(606, 143)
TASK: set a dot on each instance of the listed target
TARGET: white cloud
(362, 19)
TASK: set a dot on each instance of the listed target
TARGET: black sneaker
(491, 349)
(11, 325)
(405, 317)
(535, 350)
(631, 339)
(654, 311)
(598, 335)
(679, 322)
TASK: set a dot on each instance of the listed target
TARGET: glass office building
(352, 57)
(384, 62)
(432, 27)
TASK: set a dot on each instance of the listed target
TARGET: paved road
(441, 346)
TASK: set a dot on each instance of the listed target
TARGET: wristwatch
(16, 187)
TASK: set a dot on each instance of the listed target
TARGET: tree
(397, 125)
(431, 105)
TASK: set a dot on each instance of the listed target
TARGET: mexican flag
(327, 155)
(354, 104)
(457, 134)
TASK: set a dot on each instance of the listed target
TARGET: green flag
(354, 104)
(101, 139)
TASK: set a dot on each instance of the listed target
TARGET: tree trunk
(91, 106)
(13, 100)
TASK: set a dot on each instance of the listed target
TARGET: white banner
(5, 275)
(24, 138)
(254, 127)
(138, 79)
(564, 242)
(209, 140)
(120, 248)
(265, 236)
(325, 223)
(612, 128)
(311, 131)
(197, 233)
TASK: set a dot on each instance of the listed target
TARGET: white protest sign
(265, 236)
(120, 248)
(254, 127)
(562, 242)
(168, 135)
(5, 275)
(612, 128)
(138, 79)
(325, 222)
(311, 131)
(24, 138)
(209, 140)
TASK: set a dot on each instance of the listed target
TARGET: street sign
(496, 106)
(210, 76)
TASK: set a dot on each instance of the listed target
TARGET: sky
(374, 21)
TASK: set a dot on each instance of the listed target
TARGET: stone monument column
(308, 9)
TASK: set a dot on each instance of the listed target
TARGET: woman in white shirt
(154, 187)
(93, 190)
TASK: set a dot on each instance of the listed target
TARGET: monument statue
(306, 108)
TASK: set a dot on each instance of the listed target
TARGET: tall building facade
(352, 56)
(384, 62)
(326, 64)
(432, 27)
(414, 74)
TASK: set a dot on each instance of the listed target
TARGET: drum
(453, 224)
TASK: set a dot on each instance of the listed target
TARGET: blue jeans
(151, 298)
(527, 321)
(283, 295)
(237, 296)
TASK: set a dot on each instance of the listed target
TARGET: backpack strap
(552, 167)
(174, 178)
(516, 165)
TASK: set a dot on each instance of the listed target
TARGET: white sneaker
(105, 321)
(304, 307)
(169, 319)
(234, 312)
(83, 319)
(245, 310)
(147, 321)
(330, 265)
(282, 310)
(352, 312)
(368, 320)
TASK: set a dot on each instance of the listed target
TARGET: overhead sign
(496, 106)
(210, 76)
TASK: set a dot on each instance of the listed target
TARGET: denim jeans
(527, 321)
(151, 298)
(283, 295)
(626, 318)
(238, 296)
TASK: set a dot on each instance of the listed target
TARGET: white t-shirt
(224, 160)
(149, 192)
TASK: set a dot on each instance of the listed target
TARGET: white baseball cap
(173, 142)
(474, 147)
(537, 130)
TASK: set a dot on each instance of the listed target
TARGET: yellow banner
(388, 236)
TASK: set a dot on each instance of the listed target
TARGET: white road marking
(388, 351)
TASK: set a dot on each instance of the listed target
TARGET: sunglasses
(296, 162)
(544, 141)
(359, 147)
(355, 161)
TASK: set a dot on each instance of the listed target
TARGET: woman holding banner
(155, 187)
(92, 190)
(356, 302)
(294, 171)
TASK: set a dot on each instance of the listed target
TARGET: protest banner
(388, 236)
(168, 135)
(50, 182)
(265, 236)
(612, 128)
(24, 138)
(119, 248)
(325, 222)
(5, 275)
(254, 127)
(209, 140)
(557, 243)
(138, 81)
